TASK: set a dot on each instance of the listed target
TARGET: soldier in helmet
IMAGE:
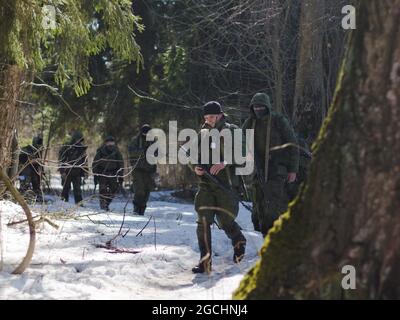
(73, 166)
(143, 172)
(108, 167)
(30, 167)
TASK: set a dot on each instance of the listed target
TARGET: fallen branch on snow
(36, 222)
(32, 232)
(112, 249)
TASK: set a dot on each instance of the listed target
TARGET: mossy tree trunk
(10, 84)
(348, 214)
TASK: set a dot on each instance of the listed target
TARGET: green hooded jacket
(137, 154)
(108, 161)
(281, 161)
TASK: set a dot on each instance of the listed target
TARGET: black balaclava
(260, 113)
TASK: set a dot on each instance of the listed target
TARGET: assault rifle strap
(267, 144)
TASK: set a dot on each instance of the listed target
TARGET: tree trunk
(13, 169)
(348, 214)
(10, 82)
(309, 99)
(277, 63)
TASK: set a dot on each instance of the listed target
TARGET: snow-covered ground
(67, 265)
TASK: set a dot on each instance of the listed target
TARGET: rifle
(218, 183)
(303, 151)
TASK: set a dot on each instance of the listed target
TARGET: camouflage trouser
(267, 210)
(143, 183)
(32, 180)
(76, 184)
(211, 204)
(108, 186)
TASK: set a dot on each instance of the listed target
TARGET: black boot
(78, 199)
(204, 238)
(104, 205)
(138, 210)
(238, 251)
(233, 231)
(142, 209)
(203, 266)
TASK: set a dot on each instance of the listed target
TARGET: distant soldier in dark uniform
(143, 172)
(30, 169)
(73, 166)
(108, 167)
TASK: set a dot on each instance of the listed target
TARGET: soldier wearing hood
(73, 166)
(274, 166)
(108, 167)
(30, 168)
(143, 172)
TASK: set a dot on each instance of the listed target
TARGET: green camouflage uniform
(73, 166)
(108, 167)
(31, 170)
(211, 202)
(143, 173)
(281, 162)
